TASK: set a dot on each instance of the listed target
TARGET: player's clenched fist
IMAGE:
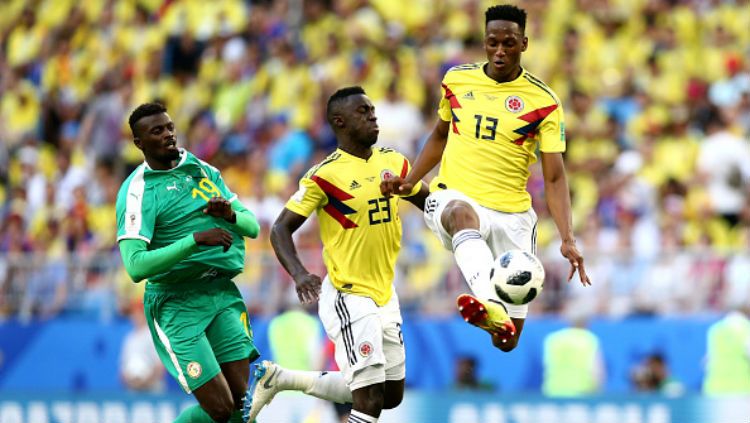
(395, 185)
(308, 287)
(219, 207)
(214, 236)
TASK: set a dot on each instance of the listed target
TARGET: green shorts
(195, 329)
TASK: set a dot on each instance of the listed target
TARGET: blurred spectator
(70, 176)
(14, 241)
(182, 55)
(728, 354)
(289, 154)
(19, 109)
(46, 292)
(572, 360)
(724, 162)
(140, 367)
(652, 375)
(103, 178)
(466, 378)
(736, 288)
(34, 180)
(296, 340)
(728, 92)
(743, 112)
(101, 129)
(400, 122)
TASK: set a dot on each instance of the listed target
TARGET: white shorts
(369, 344)
(502, 231)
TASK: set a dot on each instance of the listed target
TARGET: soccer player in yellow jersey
(493, 117)
(361, 233)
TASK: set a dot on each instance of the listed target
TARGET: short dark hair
(339, 96)
(144, 110)
(506, 12)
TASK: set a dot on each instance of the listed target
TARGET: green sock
(194, 414)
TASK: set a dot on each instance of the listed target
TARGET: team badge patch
(365, 349)
(514, 104)
(386, 174)
(194, 369)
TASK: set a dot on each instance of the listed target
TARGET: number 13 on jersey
(488, 131)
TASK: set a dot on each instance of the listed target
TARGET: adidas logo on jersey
(469, 95)
(354, 185)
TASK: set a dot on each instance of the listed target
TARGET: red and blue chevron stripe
(454, 105)
(336, 207)
(534, 118)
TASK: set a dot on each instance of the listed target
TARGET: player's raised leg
(474, 257)
(269, 379)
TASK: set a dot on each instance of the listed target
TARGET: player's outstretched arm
(142, 263)
(508, 343)
(428, 158)
(558, 203)
(307, 284)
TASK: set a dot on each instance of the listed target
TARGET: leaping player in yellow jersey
(493, 116)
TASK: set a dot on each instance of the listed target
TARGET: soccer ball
(517, 277)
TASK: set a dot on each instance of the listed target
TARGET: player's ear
(525, 43)
(137, 142)
(337, 121)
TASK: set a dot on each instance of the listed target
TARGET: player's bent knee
(220, 410)
(394, 393)
(392, 401)
(459, 215)
(369, 400)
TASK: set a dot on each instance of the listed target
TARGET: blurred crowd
(656, 95)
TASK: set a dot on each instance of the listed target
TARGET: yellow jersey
(495, 129)
(359, 227)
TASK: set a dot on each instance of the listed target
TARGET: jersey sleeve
(140, 263)
(246, 221)
(405, 167)
(552, 132)
(308, 198)
(136, 212)
(444, 107)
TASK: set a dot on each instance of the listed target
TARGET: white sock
(360, 417)
(474, 258)
(325, 385)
